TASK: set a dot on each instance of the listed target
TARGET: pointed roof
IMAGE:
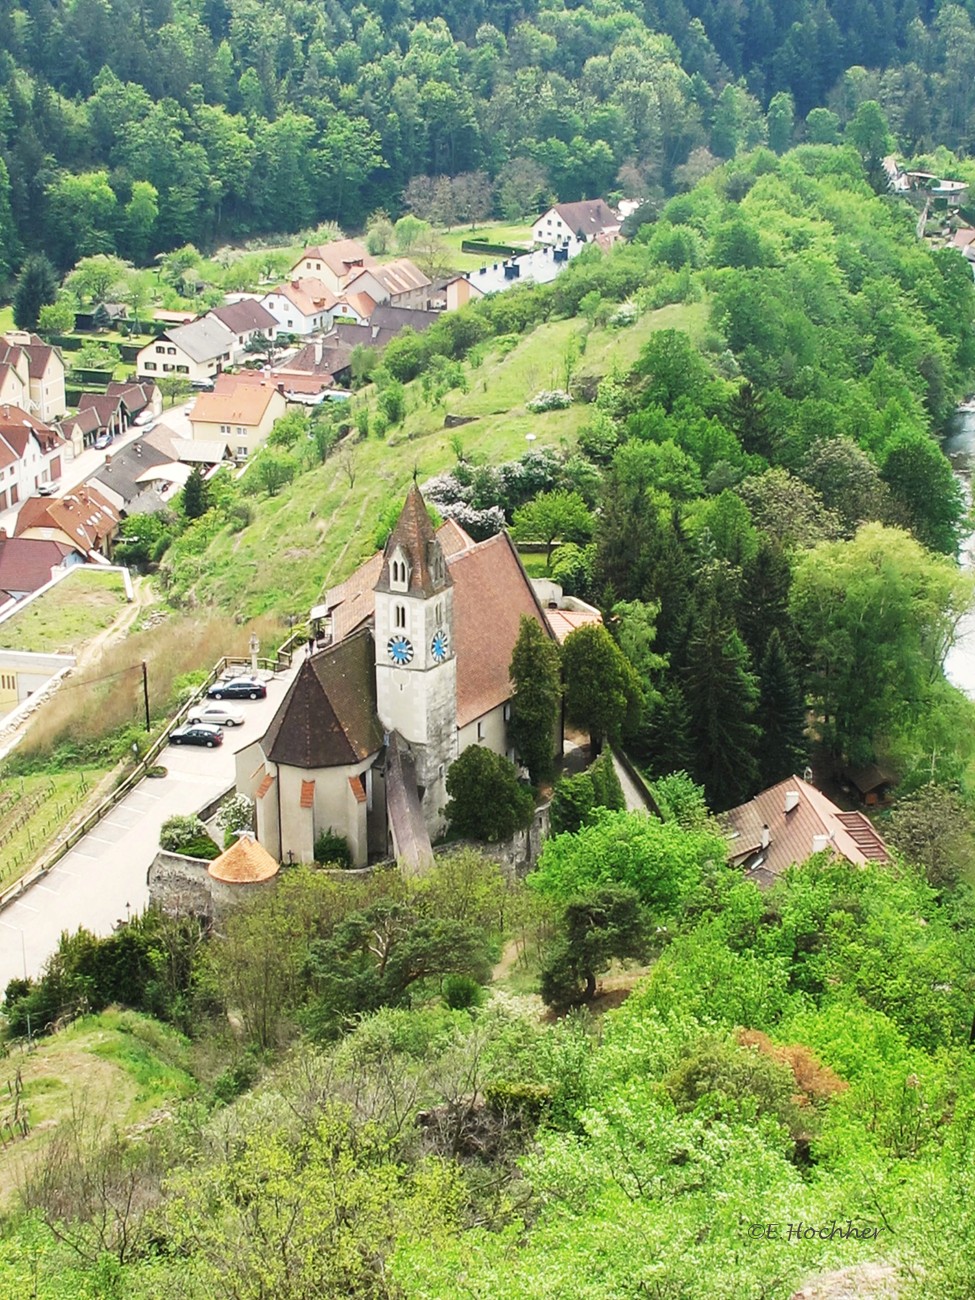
(414, 535)
(244, 863)
(328, 717)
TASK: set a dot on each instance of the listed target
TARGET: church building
(414, 669)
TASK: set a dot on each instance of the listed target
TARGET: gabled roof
(245, 315)
(413, 536)
(340, 256)
(26, 562)
(246, 404)
(361, 303)
(134, 397)
(245, 863)
(328, 717)
(812, 823)
(588, 217)
(309, 295)
(202, 340)
(83, 514)
(491, 593)
(396, 277)
(39, 356)
(106, 407)
(388, 316)
(121, 473)
(17, 427)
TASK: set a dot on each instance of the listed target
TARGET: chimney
(3, 534)
(108, 458)
(791, 800)
(820, 842)
(766, 837)
(294, 284)
(318, 352)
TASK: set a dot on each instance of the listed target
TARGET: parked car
(102, 441)
(209, 736)
(145, 418)
(217, 715)
(239, 688)
(46, 489)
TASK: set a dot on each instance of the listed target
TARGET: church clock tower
(416, 671)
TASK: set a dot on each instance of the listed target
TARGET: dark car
(196, 735)
(240, 688)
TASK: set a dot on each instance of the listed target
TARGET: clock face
(400, 650)
(438, 646)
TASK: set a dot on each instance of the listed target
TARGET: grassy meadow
(69, 615)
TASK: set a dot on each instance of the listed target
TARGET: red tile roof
(245, 405)
(83, 514)
(812, 823)
(26, 562)
(265, 785)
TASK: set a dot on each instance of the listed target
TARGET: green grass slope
(321, 526)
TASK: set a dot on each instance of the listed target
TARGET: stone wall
(180, 886)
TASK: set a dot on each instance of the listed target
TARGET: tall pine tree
(36, 287)
(722, 695)
(536, 702)
(781, 714)
(195, 495)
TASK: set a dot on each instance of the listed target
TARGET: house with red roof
(413, 669)
(39, 371)
(83, 519)
(31, 453)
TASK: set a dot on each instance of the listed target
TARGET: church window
(399, 573)
(399, 614)
(480, 731)
(507, 712)
(439, 612)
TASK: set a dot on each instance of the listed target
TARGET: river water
(959, 447)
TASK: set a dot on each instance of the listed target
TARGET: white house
(197, 351)
(583, 221)
(334, 264)
(247, 318)
(31, 453)
(301, 307)
(44, 396)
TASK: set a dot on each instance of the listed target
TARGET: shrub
(332, 849)
(178, 831)
(551, 399)
(461, 992)
(487, 801)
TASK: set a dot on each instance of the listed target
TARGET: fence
(282, 660)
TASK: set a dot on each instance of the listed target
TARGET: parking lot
(103, 878)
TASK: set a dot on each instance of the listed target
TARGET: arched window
(399, 616)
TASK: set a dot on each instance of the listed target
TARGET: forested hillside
(139, 128)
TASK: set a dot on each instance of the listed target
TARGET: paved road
(90, 461)
(104, 875)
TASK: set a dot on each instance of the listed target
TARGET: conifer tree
(722, 695)
(195, 501)
(37, 286)
(781, 714)
(536, 674)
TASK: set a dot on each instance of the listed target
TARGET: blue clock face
(438, 646)
(400, 650)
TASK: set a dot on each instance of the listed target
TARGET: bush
(553, 399)
(178, 831)
(332, 849)
(461, 992)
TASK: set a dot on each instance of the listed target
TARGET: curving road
(103, 878)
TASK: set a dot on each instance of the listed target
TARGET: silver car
(216, 715)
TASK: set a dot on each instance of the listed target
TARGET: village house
(400, 283)
(242, 415)
(333, 263)
(83, 519)
(414, 669)
(197, 352)
(791, 821)
(27, 564)
(45, 375)
(583, 221)
(303, 306)
(31, 453)
(247, 319)
(137, 400)
(99, 414)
